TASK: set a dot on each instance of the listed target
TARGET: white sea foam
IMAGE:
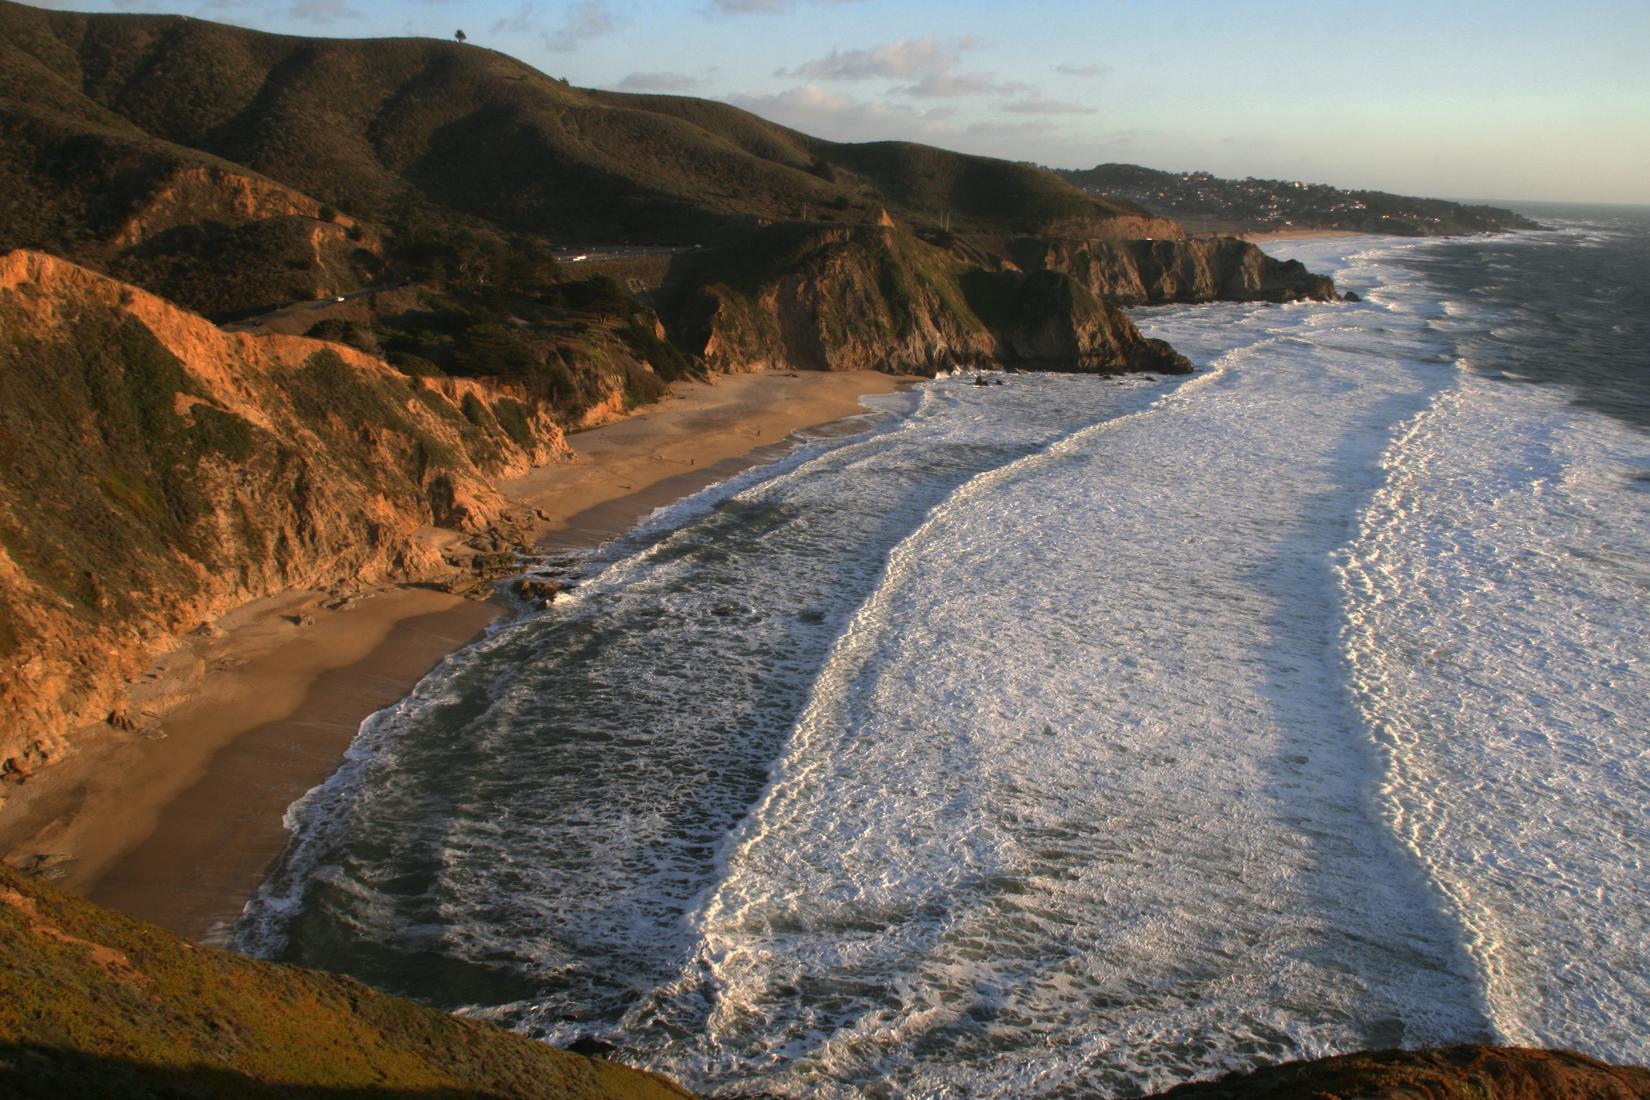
(1079, 778)
(1071, 737)
(1497, 626)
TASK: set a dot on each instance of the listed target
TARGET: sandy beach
(177, 822)
(1297, 235)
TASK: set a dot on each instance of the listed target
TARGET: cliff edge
(877, 297)
(1159, 272)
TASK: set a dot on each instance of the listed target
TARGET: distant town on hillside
(1208, 203)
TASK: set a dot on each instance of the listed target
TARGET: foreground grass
(95, 1003)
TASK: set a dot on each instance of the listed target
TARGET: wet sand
(178, 825)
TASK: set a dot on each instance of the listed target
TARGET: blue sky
(1455, 99)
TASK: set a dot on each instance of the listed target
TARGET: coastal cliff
(814, 297)
(1157, 272)
(160, 471)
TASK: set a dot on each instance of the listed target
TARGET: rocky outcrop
(96, 1003)
(1156, 272)
(159, 471)
(877, 298)
(1453, 1073)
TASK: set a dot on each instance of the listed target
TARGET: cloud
(658, 82)
(584, 20)
(1008, 132)
(519, 23)
(815, 110)
(1044, 107)
(760, 7)
(952, 85)
(1082, 70)
(322, 11)
(750, 7)
(898, 60)
(929, 63)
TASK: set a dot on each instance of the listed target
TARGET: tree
(461, 36)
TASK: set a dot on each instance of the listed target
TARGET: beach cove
(179, 821)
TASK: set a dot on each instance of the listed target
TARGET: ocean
(1075, 735)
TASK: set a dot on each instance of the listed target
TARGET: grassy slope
(462, 132)
(99, 1004)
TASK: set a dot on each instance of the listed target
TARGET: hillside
(95, 1003)
(184, 470)
(101, 114)
(1257, 205)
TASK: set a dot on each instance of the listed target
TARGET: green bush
(413, 366)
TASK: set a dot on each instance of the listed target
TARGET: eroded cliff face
(156, 471)
(1157, 271)
(877, 298)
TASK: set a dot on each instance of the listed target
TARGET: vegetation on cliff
(867, 297)
(110, 123)
(1250, 205)
(1154, 272)
(160, 471)
(95, 1003)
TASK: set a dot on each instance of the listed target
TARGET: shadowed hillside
(398, 128)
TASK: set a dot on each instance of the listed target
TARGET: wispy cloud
(750, 7)
(658, 82)
(930, 64)
(902, 58)
(953, 85)
(760, 7)
(519, 23)
(1044, 107)
(322, 11)
(815, 110)
(1082, 70)
(583, 21)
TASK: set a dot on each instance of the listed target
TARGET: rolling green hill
(393, 129)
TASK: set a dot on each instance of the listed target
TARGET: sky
(1448, 98)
